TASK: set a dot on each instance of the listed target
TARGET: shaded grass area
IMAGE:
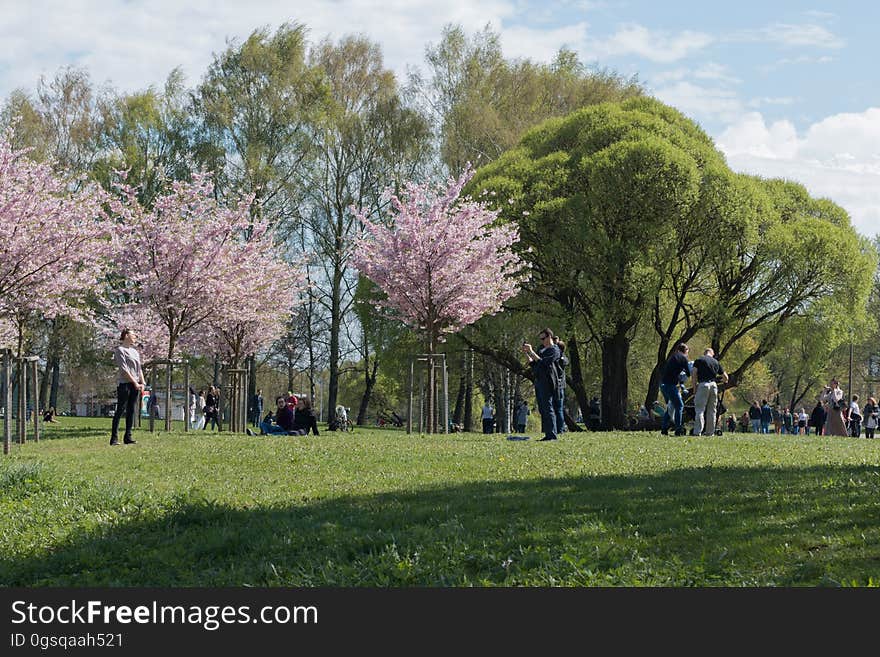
(381, 508)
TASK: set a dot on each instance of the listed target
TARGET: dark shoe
(680, 432)
(113, 442)
(130, 441)
(249, 432)
(545, 438)
(664, 432)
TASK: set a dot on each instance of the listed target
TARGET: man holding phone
(544, 366)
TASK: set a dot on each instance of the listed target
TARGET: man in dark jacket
(817, 418)
(755, 417)
(676, 365)
(766, 416)
(257, 408)
(544, 367)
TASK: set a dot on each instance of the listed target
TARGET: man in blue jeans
(669, 380)
(544, 366)
(766, 416)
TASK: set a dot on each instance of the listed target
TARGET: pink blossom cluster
(53, 241)
(152, 334)
(443, 261)
(209, 275)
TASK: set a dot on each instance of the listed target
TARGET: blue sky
(786, 89)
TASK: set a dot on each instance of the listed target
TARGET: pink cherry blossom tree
(181, 258)
(443, 261)
(210, 276)
(152, 334)
(53, 243)
(268, 287)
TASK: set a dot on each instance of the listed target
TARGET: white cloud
(541, 45)
(135, 44)
(791, 35)
(717, 103)
(771, 100)
(789, 61)
(708, 71)
(656, 46)
(837, 158)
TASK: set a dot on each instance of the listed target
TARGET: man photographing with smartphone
(543, 364)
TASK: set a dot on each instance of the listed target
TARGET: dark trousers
(488, 425)
(558, 409)
(213, 418)
(127, 402)
(855, 428)
(869, 432)
(544, 397)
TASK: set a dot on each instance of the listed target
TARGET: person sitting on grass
(304, 418)
(49, 416)
(283, 420)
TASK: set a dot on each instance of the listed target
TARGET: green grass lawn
(379, 508)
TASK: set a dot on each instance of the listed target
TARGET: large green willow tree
(629, 214)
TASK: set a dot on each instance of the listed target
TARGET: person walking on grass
(802, 419)
(705, 377)
(130, 382)
(544, 367)
(212, 408)
(257, 408)
(870, 413)
(755, 417)
(817, 418)
(675, 365)
(855, 418)
(488, 418)
(521, 416)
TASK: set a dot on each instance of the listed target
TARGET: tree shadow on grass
(702, 526)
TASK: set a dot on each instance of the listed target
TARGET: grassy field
(378, 508)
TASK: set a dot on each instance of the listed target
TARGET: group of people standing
(521, 414)
(204, 408)
(832, 416)
(845, 418)
(705, 374)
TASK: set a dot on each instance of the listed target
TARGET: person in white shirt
(130, 384)
(855, 418)
(803, 419)
(488, 417)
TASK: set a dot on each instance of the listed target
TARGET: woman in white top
(130, 383)
(803, 419)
